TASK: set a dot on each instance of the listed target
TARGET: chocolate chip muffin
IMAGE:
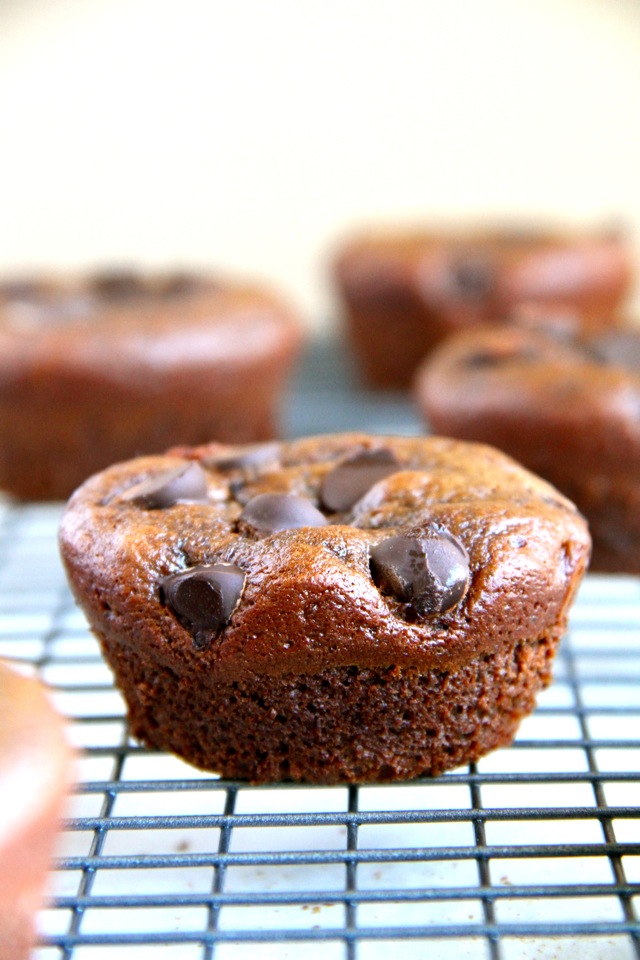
(403, 292)
(567, 408)
(120, 364)
(341, 608)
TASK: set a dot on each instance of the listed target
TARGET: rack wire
(532, 852)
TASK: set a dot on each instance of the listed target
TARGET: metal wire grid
(533, 852)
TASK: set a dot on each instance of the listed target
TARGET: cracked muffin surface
(337, 608)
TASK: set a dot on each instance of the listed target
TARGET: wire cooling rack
(534, 852)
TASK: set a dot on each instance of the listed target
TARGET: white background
(250, 135)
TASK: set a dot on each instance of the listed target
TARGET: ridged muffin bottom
(342, 725)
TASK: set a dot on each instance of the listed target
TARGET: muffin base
(342, 725)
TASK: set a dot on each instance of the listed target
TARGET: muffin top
(339, 550)
(156, 320)
(584, 385)
(499, 266)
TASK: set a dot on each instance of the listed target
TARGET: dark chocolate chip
(182, 285)
(269, 513)
(251, 456)
(240, 492)
(620, 348)
(184, 484)
(484, 359)
(472, 277)
(117, 285)
(351, 478)
(204, 598)
(481, 360)
(429, 571)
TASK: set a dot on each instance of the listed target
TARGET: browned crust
(309, 600)
(343, 724)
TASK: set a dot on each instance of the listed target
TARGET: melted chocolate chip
(251, 456)
(483, 359)
(472, 277)
(269, 513)
(351, 478)
(429, 571)
(181, 285)
(117, 285)
(184, 484)
(620, 348)
(204, 598)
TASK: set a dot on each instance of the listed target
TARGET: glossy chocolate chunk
(484, 359)
(184, 484)
(351, 478)
(620, 348)
(204, 598)
(117, 285)
(182, 285)
(472, 277)
(269, 513)
(430, 571)
(250, 456)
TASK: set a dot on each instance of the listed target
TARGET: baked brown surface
(567, 408)
(316, 655)
(120, 364)
(404, 292)
(35, 764)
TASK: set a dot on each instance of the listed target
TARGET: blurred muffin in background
(567, 406)
(35, 770)
(113, 365)
(404, 291)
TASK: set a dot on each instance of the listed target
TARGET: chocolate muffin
(567, 408)
(404, 292)
(35, 768)
(119, 364)
(340, 608)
